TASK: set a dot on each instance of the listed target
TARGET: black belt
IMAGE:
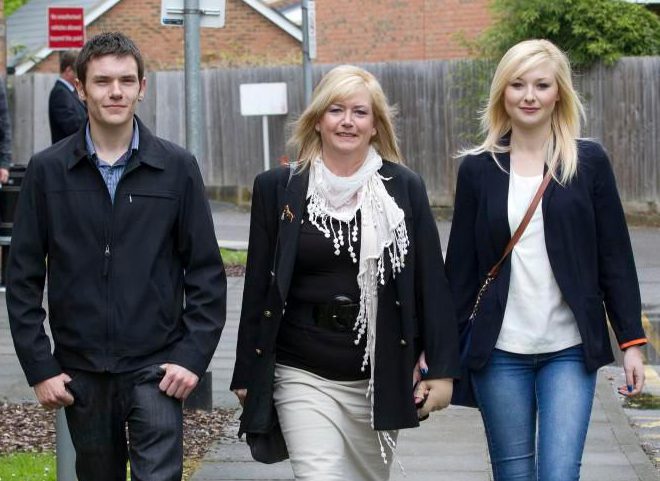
(337, 315)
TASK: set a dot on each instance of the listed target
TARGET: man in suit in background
(66, 112)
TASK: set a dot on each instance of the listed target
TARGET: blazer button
(404, 343)
(397, 303)
(259, 352)
(268, 314)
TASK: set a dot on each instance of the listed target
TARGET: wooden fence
(438, 102)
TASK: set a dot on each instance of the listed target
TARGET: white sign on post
(264, 99)
(213, 13)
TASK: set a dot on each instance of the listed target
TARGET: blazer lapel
(79, 103)
(547, 195)
(497, 198)
(291, 213)
(390, 188)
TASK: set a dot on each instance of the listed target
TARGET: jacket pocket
(76, 388)
(149, 374)
(136, 195)
(596, 327)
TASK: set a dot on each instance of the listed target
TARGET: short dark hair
(68, 59)
(108, 43)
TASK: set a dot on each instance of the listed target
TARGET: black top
(318, 276)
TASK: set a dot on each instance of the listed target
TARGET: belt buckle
(338, 315)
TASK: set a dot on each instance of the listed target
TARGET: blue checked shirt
(112, 173)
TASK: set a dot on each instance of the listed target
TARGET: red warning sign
(66, 27)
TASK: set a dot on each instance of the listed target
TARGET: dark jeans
(107, 407)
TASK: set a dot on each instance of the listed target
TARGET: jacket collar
(143, 155)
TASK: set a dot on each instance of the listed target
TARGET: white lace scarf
(383, 234)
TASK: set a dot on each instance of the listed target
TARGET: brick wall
(385, 30)
(380, 30)
(248, 38)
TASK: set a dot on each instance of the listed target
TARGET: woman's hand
(420, 369)
(430, 394)
(633, 367)
(435, 394)
(241, 394)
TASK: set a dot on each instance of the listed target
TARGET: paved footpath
(451, 444)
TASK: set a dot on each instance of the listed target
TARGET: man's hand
(4, 176)
(633, 367)
(241, 394)
(52, 393)
(437, 394)
(178, 381)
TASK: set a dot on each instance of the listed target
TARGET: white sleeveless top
(536, 319)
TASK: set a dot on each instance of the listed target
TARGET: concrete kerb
(623, 432)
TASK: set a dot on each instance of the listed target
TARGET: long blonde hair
(565, 125)
(338, 84)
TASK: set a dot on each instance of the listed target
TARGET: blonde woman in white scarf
(344, 288)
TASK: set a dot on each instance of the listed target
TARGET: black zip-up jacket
(117, 274)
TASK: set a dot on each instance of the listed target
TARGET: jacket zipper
(106, 260)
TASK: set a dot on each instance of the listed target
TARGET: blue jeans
(536, 410)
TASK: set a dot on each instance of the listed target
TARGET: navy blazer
(66, 112)
(415, 311)
(588, 247)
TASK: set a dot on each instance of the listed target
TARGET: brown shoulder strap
(523, 224)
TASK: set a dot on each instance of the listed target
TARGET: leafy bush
(588, 30)
(13, 5)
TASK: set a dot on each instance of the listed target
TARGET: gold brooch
(287, 213)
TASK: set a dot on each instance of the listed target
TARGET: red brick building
(382, 30)
(248, 38)
(256, 34)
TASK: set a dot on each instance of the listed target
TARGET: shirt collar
(66, 84)
(135, 143)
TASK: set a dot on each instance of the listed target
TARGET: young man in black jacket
(118, 220)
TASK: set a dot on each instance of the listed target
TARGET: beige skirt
(327, 428)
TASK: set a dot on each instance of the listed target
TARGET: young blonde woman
(540, 331)
(344, 287)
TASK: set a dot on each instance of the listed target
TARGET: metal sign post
(193, 14)
(191, 22)
(309, 45)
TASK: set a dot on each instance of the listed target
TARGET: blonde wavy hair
(339, 84)
(565, 125)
